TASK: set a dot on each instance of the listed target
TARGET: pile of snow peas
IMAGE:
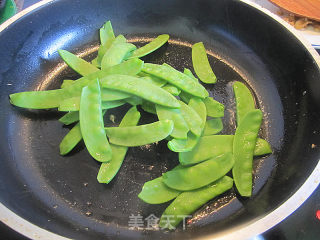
(188, 118)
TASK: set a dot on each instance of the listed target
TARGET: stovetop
(303, 224)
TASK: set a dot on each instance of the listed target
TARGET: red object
(318, 214)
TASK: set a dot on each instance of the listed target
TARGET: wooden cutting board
(304, 8)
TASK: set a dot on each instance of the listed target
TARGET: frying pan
(46, 196)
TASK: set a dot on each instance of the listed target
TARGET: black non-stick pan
(44, 195)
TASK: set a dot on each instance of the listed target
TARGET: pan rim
(257, 226)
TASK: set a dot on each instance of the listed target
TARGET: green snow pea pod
(70, 104)
(186, 145)
(212, 126)
(198, 105)
(108, 170)
(112, 95)
(150, 47)
(244, 100)
(215, 145)
(116, 54)
(176, 78)
(73, 104)
(262, 147)
(112, 104)
(156, 192)
(214, 108)
(172, 89)
(188, 202)
(94, 62)
(243, 147)
(202, 174)
(134, 100)
(130, 67)
(38, 99)
(152, 79)
(72, 117)
(105, 47)
(183, 95)
(66, 83)
(77, 64)
(183, 145)
(140, 88)
(192, 118)
(188, 72)
(149, 107)
(180, 129)
(69, 118)
(106, 33)
(73, 137)
(52, 98)
(92, 125)
(140, 135)
(201, 64)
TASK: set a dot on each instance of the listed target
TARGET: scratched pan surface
(61, 194)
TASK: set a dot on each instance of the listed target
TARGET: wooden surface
(304, 8)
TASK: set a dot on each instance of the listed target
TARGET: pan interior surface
(62, 195)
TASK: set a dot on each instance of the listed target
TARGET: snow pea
(134, 100)
(176, 78)
(139, 135)
(106, 33)
(52, 98)
(192, 118)
(92, 125)
(186, 145)
(150, 47)
(38, 99)
(154, 80)
(156, 192)
(201, 64)
(73, 137)
(69, 118)
(244, 100)
(105, 47)
(73, 104)
(180, 128)
(108, 170)
(214, 108)
(183, 145)
(140, 88)
(149, 107)
(112, 104)
(198, 105)
(66, 83)
(262, 147)
(77, 64)
(112, 95)
(183, 95)
(130, 67)
(188, 202)
(72, 117)
(188, 72)
(243, 147)
(70, 104)
(116, 54)
(212, 126)
(172, 89)
(202, 174)
(215, 145)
